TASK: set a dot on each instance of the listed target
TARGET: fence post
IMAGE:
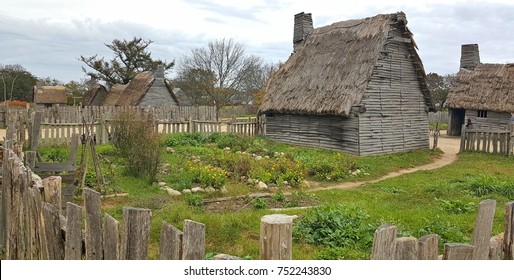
(170, 247)
(54, 242)
(384, 244)
(458, 251)
(483, 227)
(111, 238)
(73, 245)
(136, 233)
(428, 247)
(93, 224)
(276, 237)
(462, 138)
(407, 248)
(193, 241)
(52, 188)
(508, 238)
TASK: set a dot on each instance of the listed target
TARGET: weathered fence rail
(487, 140)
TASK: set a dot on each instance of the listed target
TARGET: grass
(418, 203)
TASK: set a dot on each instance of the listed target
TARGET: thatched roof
(488, 87)
(182, 97)
(330, 73)
(136, 89)
(50, 95)
(114, 94)
(95, 96)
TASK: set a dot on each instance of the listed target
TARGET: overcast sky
(48, 36)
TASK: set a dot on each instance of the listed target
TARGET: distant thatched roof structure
(114, 94)
(330, 73)
(181, 97)
(487, 87)
(95, 96)
(50, 95)
(136, 89)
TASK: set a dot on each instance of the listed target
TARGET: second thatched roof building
(356, 86)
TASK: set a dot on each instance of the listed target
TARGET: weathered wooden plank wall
(395, 117)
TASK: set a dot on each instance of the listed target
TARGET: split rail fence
(487, 140)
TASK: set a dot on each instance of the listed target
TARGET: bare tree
(229, 73)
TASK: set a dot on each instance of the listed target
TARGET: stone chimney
(302, 27)
(469, 57)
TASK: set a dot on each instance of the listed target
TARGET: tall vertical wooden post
(508, 237)
(136, 233)
(276, 237)
(384, 243)
(483, 228)
(193, 240)
(93, 236)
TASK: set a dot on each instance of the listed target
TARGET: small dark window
(270, 115)
(482, 113)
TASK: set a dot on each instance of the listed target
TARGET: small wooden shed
(356, 86)
(50, 96)
(482, 93)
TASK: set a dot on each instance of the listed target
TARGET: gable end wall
(395, 119)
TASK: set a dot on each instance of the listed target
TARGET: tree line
(220, 74)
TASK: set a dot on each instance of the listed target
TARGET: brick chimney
(302, 27)
(469, 57)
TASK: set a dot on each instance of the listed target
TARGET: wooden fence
(438, 117)
(487, 140)
(387, 246)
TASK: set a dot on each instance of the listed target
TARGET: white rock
(262, 186)
(173, 192)
(210, 190)
(170, 150)
(197, 189)
(227, 149)
(186, 191)
(258, 157)
(162, 184)
(223, 189)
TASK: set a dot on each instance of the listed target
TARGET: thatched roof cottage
(482, 93)
(95, 96)
(146, 89)
(356, 86)
(50, 96)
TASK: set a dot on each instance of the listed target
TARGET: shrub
(185, 139)
(138, 143)
(232, 140)
(260, 203)
(447, 232)
(335, 226)
(194, 200)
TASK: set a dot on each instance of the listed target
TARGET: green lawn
(442, 201)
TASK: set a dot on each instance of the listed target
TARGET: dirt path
(449, 146)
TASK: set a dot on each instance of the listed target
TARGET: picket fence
(488, 140)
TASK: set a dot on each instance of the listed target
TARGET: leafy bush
(138, 143)
(194, 200)
(278, 171)
(232, 140)
(56, 154)
(335, 167)
(260, 203)
(335, 226)
(185, 139)
(446, 231)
